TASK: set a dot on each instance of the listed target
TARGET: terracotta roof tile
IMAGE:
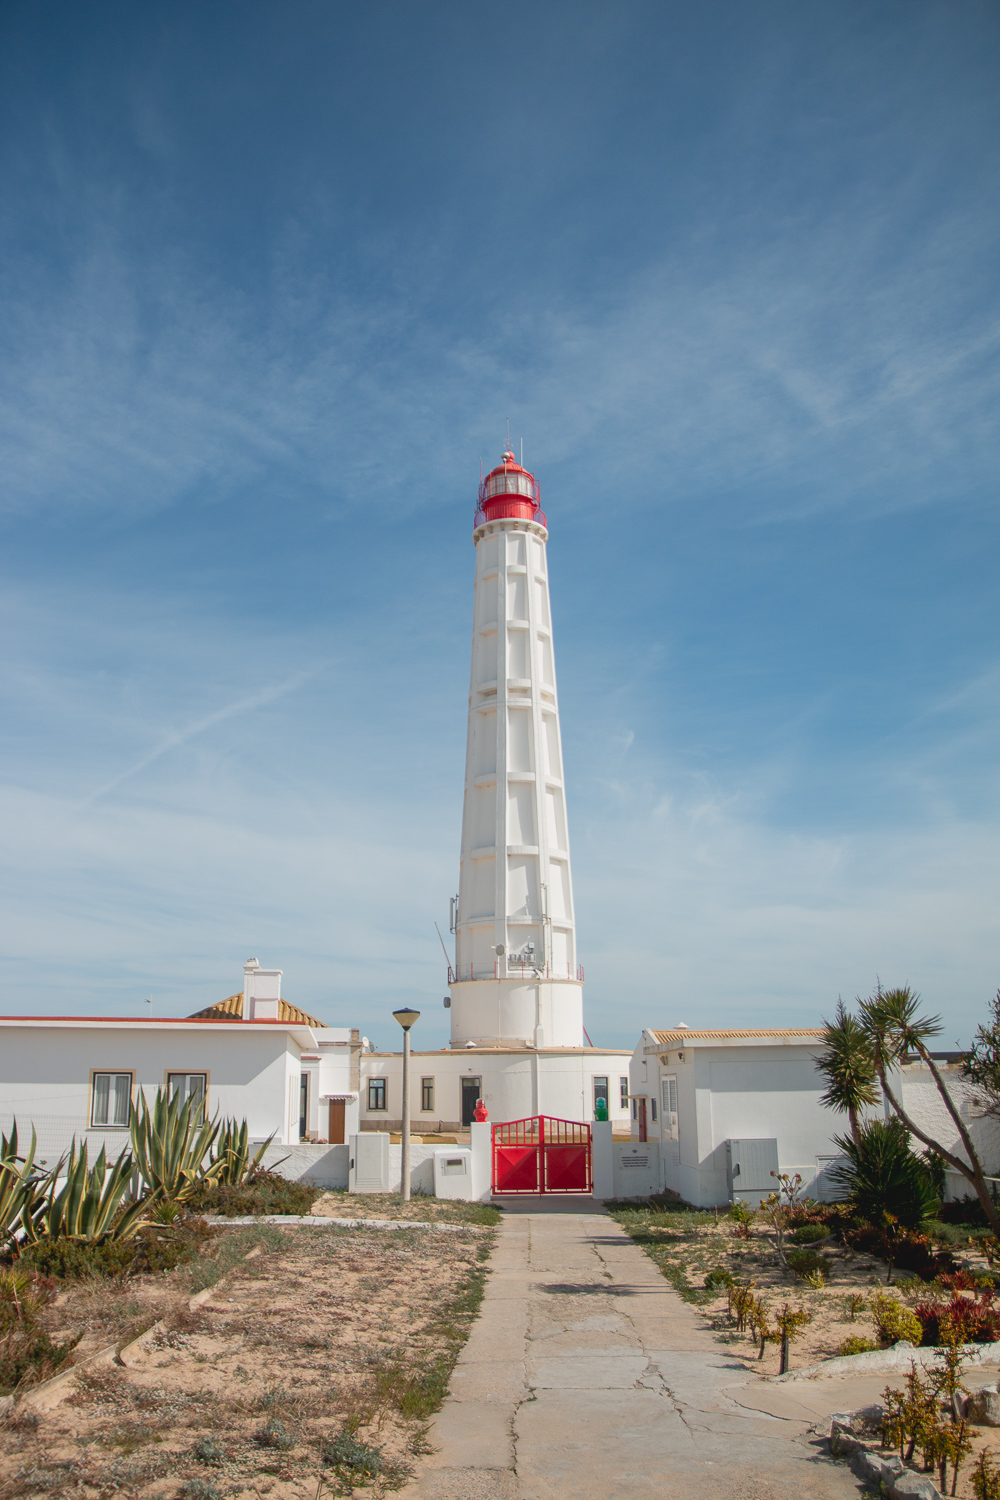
(689, 1034)
(231, 1009)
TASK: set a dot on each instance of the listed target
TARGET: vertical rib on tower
(515, 943)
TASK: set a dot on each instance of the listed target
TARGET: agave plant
(170, 1143)
(22, 1185)
(233, 1151)
(88, 1206)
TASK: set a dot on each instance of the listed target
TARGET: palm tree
(848, 1065)
(895, 1031)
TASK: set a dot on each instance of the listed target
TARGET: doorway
(303, 1104)
(470, 1098)
(335, 1134)
(643, 1135)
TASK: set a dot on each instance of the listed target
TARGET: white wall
(45, 1076)
(322, 1166)
(515, 1084)
(923, 1103)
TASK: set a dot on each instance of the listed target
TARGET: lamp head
(406, 1017)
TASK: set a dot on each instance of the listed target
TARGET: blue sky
(273, 278)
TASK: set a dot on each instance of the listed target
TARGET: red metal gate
(542, 1155)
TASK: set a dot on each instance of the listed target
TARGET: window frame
(668, 1093)
(623, 1092)
(378, 1084)
(95, 1073)
(169, 1073)
(427, 1093)
(605, 1080)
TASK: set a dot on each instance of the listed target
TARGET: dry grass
(342, 1205)
(311, 1372)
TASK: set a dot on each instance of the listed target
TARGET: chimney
(261, 992)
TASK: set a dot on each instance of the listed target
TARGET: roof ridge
(231, 1009)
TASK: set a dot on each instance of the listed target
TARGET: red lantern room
(509, 492)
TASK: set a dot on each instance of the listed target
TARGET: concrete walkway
(586, 1375)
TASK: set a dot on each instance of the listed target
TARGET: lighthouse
(516, 986)
(516, 979)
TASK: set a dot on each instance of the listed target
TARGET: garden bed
(688, 1245)
(312, 1368)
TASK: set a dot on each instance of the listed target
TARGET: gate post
(481, 1141)
(602, 1159)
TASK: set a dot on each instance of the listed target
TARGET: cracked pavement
(587, 1375)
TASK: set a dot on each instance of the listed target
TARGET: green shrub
(806, 1262)
(908, 1252)
(76, 1260)
(740, 1212)
(718, 1280)
(809, 1234)
(274, 1434)
(855, 1344)
(963, 1211)
(152, 1250)
(28, 1355)
(263, 1193)
(200, 1489)
(354, 1461)
(208, 1451)
(893, 1321)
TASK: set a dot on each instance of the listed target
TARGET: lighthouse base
(534, 1012)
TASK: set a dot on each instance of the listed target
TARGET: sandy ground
(391, 1206)
(323, 1331)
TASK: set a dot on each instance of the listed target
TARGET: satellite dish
(366, 1045)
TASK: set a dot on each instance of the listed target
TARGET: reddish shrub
(971, 1322)
(907, 1252)
(958, 1281)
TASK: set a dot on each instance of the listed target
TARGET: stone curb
(884, 1361)
(889, 1474)
(327, 1223)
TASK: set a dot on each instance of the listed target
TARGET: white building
(252, 1056)
(513, 1082)
(717, 1111)
(516, 988)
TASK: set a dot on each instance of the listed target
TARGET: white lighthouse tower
(516, 978)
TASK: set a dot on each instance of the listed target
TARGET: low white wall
(421, 1169)
(322, 1166)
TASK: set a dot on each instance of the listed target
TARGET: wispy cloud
(180, 737)
(796, 362)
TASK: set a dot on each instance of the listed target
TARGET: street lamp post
(406, 1019)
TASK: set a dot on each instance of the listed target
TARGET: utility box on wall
(453, 1172)
(368, 1163)
(751, 1170)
